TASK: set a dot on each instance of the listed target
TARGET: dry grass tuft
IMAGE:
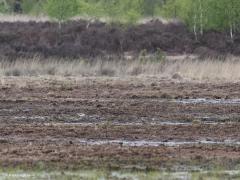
(179, 70)
(22, 18)
(208, 70)
(44, 18)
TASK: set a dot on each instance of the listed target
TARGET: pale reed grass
(181, 70)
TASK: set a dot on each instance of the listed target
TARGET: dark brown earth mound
(79, 39)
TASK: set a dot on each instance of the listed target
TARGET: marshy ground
(141, 115)
(119, 123)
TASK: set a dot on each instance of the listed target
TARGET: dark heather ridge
(79, 39)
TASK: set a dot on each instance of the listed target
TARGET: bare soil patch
(54, 122)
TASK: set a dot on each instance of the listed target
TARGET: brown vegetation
(77, 39)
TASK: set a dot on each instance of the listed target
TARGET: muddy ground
(81, 39)
(143, 123)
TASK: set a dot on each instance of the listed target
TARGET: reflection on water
(120, 175)
(123, 142)
(208, 101)
(149, 143)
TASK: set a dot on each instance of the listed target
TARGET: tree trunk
(201, 17)
(231, 32)
(195, 27)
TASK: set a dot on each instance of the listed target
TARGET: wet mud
(118, 123)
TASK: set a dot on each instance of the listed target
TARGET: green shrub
(61, 10)
(32, 6)
(4, 7)
(160, 55)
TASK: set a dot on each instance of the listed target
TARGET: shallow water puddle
(159, 123)
(30, 117)
(208, 101)
(119, 175)
(121, 142)
(147, 143)
(184, 101)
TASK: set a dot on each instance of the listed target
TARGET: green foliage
(3, 9)
(201, 15)
(169, 10)
(150, 7)
(130, 11)
(132, 16)
(198, 15)
(32, 6)
(91, 8)
(27, 5)
(112, 9)
(62, 10)
(4, 6)
(160, 55)
(224, 15)
(124, 11)
(190, 11)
